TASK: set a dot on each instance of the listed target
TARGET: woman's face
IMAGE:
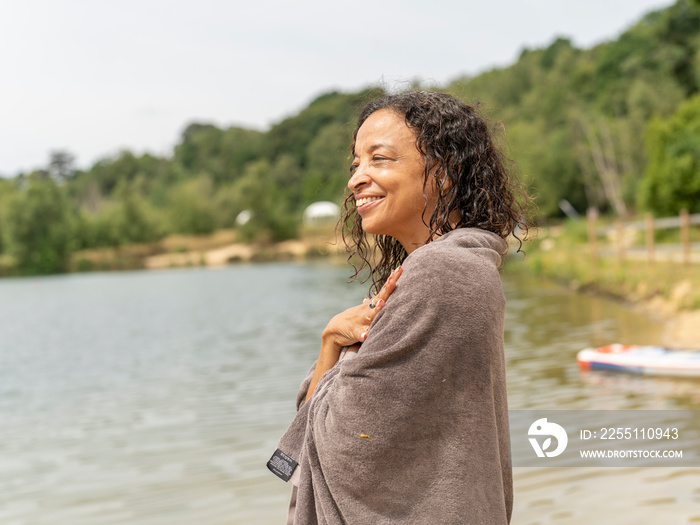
(387, 180)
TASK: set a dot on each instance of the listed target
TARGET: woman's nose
(358, 178)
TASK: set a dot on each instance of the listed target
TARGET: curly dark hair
(470, 174)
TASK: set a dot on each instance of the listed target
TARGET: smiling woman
(403, 418)
(387, 180)
(462, 177)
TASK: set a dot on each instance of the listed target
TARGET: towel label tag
(281, 465)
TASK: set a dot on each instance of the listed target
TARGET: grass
(564, 255)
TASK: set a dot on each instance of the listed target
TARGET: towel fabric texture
(414, 428)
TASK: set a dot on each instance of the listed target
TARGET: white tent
(243, 217)
(322, 211)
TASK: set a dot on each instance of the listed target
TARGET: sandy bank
(238, 252)
(683, 330)
(682, 325)
(217, 249)
(666, 290)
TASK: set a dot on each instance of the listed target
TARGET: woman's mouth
(366, 202)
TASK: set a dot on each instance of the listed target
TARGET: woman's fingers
(352, 326)
(390, 284)
(378, 301)
(385, 291)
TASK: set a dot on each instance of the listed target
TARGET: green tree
(327, 175)
(200, 148)
(284, 179)
(110, 171)
(135, 220)
(190, 206)
(294, 134)
(672, 178)
(239, 146)
(38, 227)
(7, 190)
(272, 216)
(61, 165)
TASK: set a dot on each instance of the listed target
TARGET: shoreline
(218, 249)
(681, 326)
(682, 329)
(304, 249)
(667, 292)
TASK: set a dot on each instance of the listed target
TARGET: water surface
(157, 397)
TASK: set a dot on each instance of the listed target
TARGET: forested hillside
(616, 127)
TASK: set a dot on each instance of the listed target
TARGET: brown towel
(414, 429)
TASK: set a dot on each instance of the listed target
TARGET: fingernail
(380, 303)
(363, 335)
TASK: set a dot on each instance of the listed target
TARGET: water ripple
(155, 398)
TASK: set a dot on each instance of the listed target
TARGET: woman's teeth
(361, 202)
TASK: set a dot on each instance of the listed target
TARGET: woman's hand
(352, 325)
(349, 328)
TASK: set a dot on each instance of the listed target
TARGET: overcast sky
(95, 77)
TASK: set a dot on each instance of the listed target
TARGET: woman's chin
(368, 227)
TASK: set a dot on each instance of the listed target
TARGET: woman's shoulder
(455, 273)
(459, 248)
(460, 262)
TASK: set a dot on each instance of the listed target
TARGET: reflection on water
(546, 325)
(157, 397)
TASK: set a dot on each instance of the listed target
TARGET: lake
(157, 397)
